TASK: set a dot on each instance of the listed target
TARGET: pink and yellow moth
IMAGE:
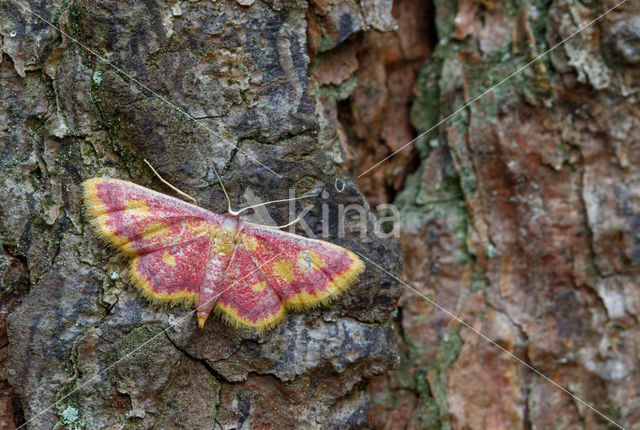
(183, 254)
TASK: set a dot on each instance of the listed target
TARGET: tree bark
(84, 350)
(519, 214)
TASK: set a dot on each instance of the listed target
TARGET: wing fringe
(230, 317)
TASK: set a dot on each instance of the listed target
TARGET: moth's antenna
(182, 193)
(275, 201)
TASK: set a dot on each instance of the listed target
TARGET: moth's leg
(295, 221)
(275, 201)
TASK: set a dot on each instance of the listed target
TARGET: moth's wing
(172, 274)
(137, 220)
(246, 298)
(303, 272)
(169, 240)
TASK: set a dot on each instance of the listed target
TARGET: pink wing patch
(303, 272)
(172, 274)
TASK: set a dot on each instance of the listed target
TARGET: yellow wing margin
(98, 213)
(160, 299)
(232, 318)
(336, 286)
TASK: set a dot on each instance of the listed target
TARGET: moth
(181, 253)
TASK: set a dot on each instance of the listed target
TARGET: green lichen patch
(448, 353)
(71, 418)
(425, 112)
(445, 15)
(76, 14)
(139, 342)
(421, 203)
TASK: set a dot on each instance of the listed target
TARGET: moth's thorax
(224, 237)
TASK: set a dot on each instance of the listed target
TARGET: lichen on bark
(542, 208)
